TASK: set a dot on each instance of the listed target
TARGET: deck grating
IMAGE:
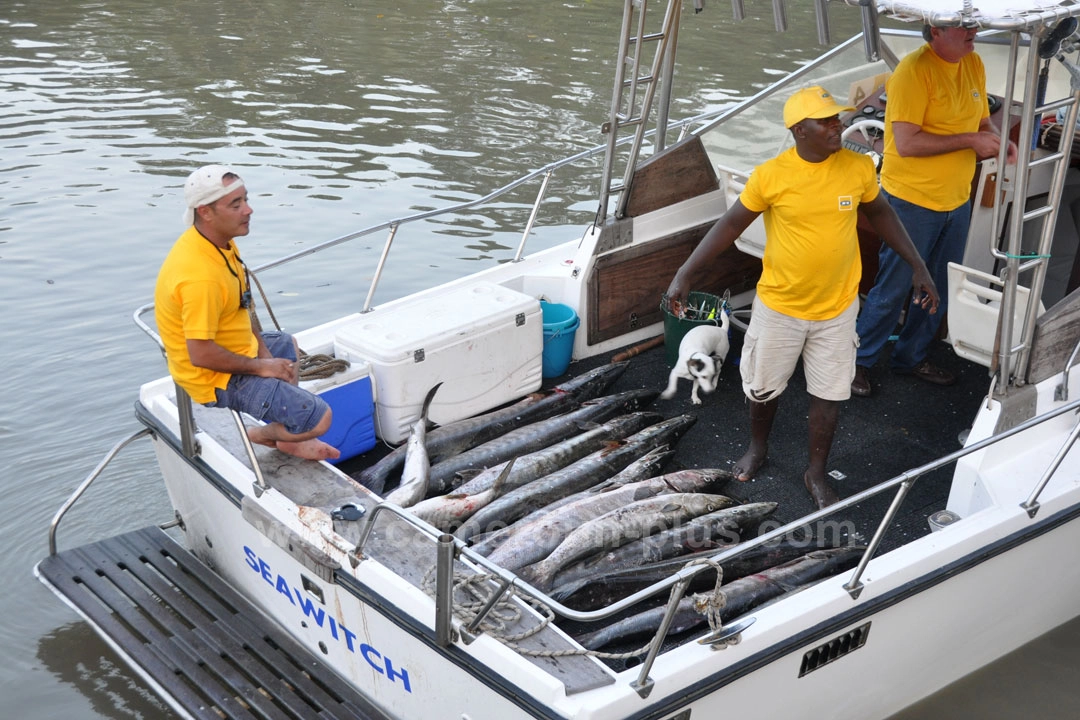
(211, 651)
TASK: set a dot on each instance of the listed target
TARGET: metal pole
(260, 481)
(54, 526)
(188, 446)
(779, 15)
(1032, 504)
(379, 268)
(643, 684)
(821, 15)
(532, 217)
(854, 586)
(444, 590)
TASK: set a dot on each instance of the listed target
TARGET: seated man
(201, 306)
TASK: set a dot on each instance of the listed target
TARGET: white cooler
(483, 342)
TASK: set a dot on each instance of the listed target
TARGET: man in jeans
(937, 123)
(201, 303)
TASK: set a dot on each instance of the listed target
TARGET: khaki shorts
(775, 342)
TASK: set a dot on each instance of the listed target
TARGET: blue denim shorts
(272, 400)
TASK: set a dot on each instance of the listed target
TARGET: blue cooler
(349, 395)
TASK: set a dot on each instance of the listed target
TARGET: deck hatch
(836, 648)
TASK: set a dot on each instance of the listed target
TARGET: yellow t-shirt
(811, 265)
(198, 298)
(942, 98)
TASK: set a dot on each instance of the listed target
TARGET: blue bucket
(560, 323)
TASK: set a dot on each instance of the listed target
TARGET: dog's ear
(696, 364)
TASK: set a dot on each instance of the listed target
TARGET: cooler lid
(436, 321)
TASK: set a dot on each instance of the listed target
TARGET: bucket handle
(559, 332)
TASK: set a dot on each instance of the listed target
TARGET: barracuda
(620, 526)
(739, 596)
(577, 476)
(463, 434)
(417, 473)
(535, 436)
(721, 527)
(532, 541)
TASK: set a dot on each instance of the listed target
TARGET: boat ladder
(635, 89)
(637, 78)
(1011, 360)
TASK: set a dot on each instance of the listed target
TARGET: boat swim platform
(204, 647)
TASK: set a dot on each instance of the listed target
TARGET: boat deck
(904, 424)
(190, 633)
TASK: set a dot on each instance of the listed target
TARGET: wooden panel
(626, 285)
(680, 172)
(1056, 333)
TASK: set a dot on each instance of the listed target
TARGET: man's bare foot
(746, 468)
(313, 449)
(820, 490)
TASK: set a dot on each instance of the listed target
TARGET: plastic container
(560, 326)
(482, 341)
(701, 309)
(350, 396)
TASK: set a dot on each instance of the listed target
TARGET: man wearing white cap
(201, 306)
(807, 297)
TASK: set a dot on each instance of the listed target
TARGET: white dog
(701, 355)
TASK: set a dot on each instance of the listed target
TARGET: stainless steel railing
(450, 547)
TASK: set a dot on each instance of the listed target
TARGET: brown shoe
(928, 372)
(860, 386)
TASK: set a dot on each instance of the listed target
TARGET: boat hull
(929, 612)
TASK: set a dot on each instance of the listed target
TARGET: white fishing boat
(285, 588)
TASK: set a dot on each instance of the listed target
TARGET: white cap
(206, 185)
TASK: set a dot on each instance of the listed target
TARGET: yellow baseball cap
(811, 102)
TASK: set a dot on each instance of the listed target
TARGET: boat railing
(450, 547)
(54, 526)
(696, 124)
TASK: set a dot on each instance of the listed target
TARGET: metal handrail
(700, 123)
(908, 477)
(74, 497)
(680, 580)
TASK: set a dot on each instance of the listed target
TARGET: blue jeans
(272, 400)
(940, 238)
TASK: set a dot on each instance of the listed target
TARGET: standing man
(937, 123)
(201, 306)
(807, 297)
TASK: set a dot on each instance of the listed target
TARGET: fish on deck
(415, 476)
(738, 596)
(532, 541)
(460, 435)
(620, 526)
(584, 473)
